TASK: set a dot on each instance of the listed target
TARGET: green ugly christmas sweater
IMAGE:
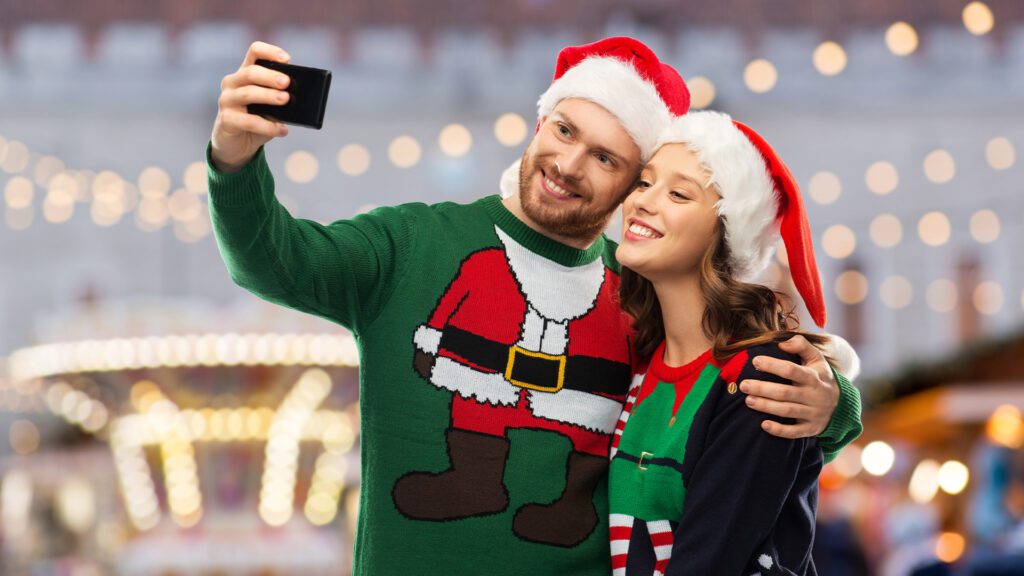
(494, 364)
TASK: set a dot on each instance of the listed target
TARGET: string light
(455, 140)
(760, 76)
(404, 152)
(510, 129)
(702, 92)
(353, 159)
(978, 18)
(829, 58)
(156, 352)
(901, 39)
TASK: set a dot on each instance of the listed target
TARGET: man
(494, 357)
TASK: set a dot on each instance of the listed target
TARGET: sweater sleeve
(845, 425)
(344, 271)
(738, 486)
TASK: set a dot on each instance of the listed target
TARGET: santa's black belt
(536, 370)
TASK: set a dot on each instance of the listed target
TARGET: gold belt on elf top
(537, 370)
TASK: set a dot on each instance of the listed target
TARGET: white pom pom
(510, 180)
(846, 360)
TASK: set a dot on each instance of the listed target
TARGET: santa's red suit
(525, 342)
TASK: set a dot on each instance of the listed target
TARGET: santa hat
(624, 77)
(760, 202)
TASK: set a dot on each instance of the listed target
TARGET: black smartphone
(307, 93)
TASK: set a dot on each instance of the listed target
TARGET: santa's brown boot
(473, 485)
(569, 520)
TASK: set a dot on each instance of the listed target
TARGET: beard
(583, 221)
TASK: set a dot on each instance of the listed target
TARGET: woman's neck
(682, 311)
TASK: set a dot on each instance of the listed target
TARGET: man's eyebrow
(561, 116)
(600, 149)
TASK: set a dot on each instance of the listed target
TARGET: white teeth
(556, 188)
(641, 230)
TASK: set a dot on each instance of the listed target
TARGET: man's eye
(604, 159)
(563, 130)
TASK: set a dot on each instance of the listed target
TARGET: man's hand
(238, 135)
(810, 400)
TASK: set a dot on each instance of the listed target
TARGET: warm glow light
(301, 166)
(939, 166)
(949, 547)
(848, 463)
(942, 295)
(404, 152)
(455, 140)
(195, 178)
(878, 458)
(18, 192)
(882, 178)
(15, 157)
(934, 228)
(154, 181)
(829, 58)
(978, 18)
(896, 292)
(353, 159)
(851, 287)
(824, 187)
(901, 38)
(985, 226)
(838, 241)
(1000, 153)
(760, 76)
(702, 92)
(886, 231)
(510, 129)
(988, 298)
(953, 477)
(24, 437)
(46, 168)
(1006, 427)
(924, 482)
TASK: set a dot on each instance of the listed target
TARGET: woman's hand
(811, 398)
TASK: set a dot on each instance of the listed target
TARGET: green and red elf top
(696, 486)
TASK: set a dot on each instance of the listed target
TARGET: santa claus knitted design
(513, 337)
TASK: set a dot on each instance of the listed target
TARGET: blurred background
(157, 420)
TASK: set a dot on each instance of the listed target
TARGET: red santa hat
(760, 202)
(623, 76)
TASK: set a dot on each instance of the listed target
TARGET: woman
(696, 486)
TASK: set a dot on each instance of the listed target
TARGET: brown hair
(738, 315)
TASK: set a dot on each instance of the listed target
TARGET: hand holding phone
(307, 93)
(237, 134)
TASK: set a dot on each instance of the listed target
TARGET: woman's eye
(643, 184)
(679, 195)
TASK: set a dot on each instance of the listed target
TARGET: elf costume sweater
(494, 363)
(696, 487)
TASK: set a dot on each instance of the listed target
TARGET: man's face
(578, 168)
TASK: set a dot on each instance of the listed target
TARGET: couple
(499, 372)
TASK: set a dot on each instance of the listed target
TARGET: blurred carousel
(231, 439)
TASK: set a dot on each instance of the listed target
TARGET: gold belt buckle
(514, 350)
(640, 462)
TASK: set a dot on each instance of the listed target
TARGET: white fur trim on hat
(615, 85)
(749, 203)
(509, 184)
(844, 356)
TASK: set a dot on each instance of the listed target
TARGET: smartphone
(307, 93)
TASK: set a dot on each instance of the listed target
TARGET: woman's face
(669, 220)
